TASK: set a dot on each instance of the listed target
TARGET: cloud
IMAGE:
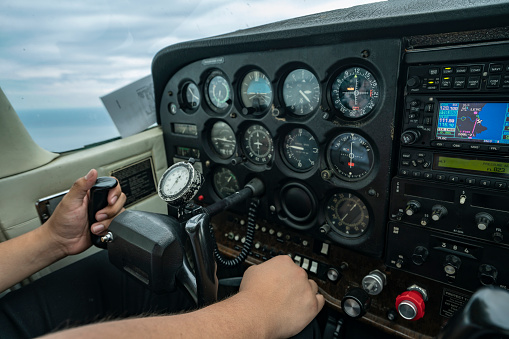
(57, 54)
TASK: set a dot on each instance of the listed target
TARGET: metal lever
(99, 200)
(202, 242)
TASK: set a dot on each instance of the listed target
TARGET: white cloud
(69, 53)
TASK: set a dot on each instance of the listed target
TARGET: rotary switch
(412, 207)
(438, 212)
(483, 220)
(411, 304)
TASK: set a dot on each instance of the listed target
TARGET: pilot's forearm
(25, 255)
(233, 318)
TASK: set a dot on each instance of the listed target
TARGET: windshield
(58, 58)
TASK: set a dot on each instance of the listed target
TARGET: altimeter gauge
(301, 92)
(347, 214)
(180, 183)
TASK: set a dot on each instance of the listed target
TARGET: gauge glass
(301, 92)
(258, 145)
(355, 92)
(350, 156)
(218, 92)
(191, 97)
(256, 91)
(225, 183)
(347, 215)
(300, 149)
(223, 140)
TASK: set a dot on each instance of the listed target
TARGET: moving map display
(474, 121)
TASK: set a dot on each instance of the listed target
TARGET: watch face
(179, 183)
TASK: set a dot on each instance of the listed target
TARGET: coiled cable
(251, 221)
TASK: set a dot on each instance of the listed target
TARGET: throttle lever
(99, 200)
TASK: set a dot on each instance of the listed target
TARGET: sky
(67, 54)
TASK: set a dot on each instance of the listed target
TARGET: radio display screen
(486, 122)
(471, 165)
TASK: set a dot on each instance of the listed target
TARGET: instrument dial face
(191, 97)
(218, 92)
(301, 92)
(347, 215)
(223, 140)
(225, 183)
(355, 92)
(300, 149)
(258, 145)
(350, 156)
(256, 92)
(179, 183)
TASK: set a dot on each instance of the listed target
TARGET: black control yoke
(151, 247)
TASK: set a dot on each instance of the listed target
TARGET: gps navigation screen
(474, 121)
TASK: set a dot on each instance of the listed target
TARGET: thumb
(81, 186)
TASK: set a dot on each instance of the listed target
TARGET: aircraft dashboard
(385, 162)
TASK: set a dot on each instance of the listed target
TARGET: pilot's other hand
(68, 225)
(282, 295)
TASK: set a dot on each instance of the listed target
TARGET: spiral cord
(251, 221)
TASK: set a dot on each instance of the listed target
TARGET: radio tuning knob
(413, 81)
(420, 255)
(483, 220)
(487, 274)
(410, 136)
(412, 207)
(438, 212)
(452, 264)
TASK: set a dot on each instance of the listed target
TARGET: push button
(473, 82)
(493, 81)
(495, 68)
(461, 69)
(447, 70)
(475, 69)
(459, 82)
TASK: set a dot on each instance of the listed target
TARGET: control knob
(452, 264)
(488, 274)
(410, 136)
(412, 207)
(438, 212)
(483, 220)
(411, 304)
(420, 255)
(413, 81)
(374, 282)
(356, 302)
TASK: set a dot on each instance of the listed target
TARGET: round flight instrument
(180, 183)
(256, 92)
(350, 156)
(301, 92)
(225, 183)
(300, 149)
(258, 145)
(355, 92)
(218, 92)
(223, 140)
(347, 214)
(190, 97)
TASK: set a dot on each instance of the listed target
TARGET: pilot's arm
(65, 233)
(276, 300)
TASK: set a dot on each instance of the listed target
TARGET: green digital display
(491, 167)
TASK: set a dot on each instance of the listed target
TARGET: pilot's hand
(68, 225)
(282, 295)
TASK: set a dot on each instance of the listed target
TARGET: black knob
(413, 81)
(452, 264)
(438, 212)
(498, 237)
(483, 220)
(420, 255)
(410, 136)
(356, 302)
(487, 274)
(412, 207)
(425, 221)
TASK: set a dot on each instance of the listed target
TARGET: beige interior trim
(20, 153)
